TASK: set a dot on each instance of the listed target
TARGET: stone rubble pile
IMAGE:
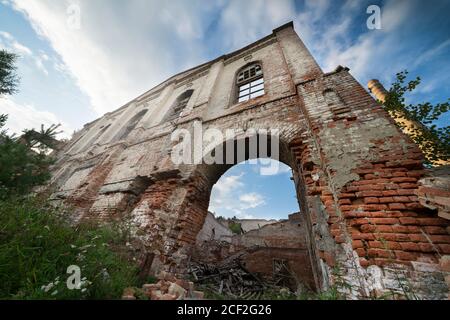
(167, 288)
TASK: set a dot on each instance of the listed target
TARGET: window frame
(252, 82)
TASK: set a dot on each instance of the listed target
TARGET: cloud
(8, 42)
(121, 49)
(228, 197)
(21, 117)
(251, 200)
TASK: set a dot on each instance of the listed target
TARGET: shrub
(37, 246)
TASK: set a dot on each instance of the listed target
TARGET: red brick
(374, 207)
(440, 239)
(435, 230)
(409, 220)
(379, 253)
(413, 206)
(403, 179)
(427, 247)
(383, 221)
(362, 236)
(373, 181)
(361, 252)
(363, 262)
(371, 193)
(445, 248)
(399, 174)
(409, 246)
(371, 200)
(399, 237)
(357, 244)
(408, 256)
(344, 201)
(406, 192)
(417, 237)
(347, 195)
(386, 200)
(390, 193)
(401, 199)
(408, 185)
(397, 206)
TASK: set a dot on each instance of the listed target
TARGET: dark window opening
(179, 105)
(132, 124)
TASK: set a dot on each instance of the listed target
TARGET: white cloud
(251, 200)
(228, 197)
(123, 48)
(8, 42)
(25, 116)
(243, 22)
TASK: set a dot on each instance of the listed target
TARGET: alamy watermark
(73, 16)
(374, 20)
(231, 146)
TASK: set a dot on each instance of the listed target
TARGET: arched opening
(275, 248)
(180, 103)
(130, 126)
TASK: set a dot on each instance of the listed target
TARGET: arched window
(178, 106)
(250, 82)
(131, 124)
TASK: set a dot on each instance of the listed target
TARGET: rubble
(167, 288)
(231, 279)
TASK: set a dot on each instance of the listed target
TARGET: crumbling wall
(213, 230)
(357, 176)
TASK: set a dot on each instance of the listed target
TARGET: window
(179, 105)
(250, 83)
(130, 126)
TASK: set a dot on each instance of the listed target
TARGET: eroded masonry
(372, 218)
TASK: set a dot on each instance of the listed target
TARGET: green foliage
(8, 77)
(37, 246)
(43, 140)
(21, 168)
(235, 227)
(435, 141)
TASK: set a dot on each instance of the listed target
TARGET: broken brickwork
(357, 176)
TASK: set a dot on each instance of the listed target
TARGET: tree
(23, 161)
(21, 168)
(434, 140)
(8, 77)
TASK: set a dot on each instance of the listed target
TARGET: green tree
(8, 76)
(21, 168)
(23, 160)
(434, 140)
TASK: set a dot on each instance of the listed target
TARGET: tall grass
(37, 246)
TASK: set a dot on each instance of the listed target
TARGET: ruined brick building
(357, 176)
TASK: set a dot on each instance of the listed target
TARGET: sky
(80, 59)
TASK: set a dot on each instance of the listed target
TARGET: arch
(205, 176)
(178, 106)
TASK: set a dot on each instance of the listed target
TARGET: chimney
(377, 89)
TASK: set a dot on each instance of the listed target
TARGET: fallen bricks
(167, 288)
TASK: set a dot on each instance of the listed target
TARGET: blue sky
(123, 48)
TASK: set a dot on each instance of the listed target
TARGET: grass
(37, 246)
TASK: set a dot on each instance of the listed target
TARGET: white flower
(54, 293)
(48, 287)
